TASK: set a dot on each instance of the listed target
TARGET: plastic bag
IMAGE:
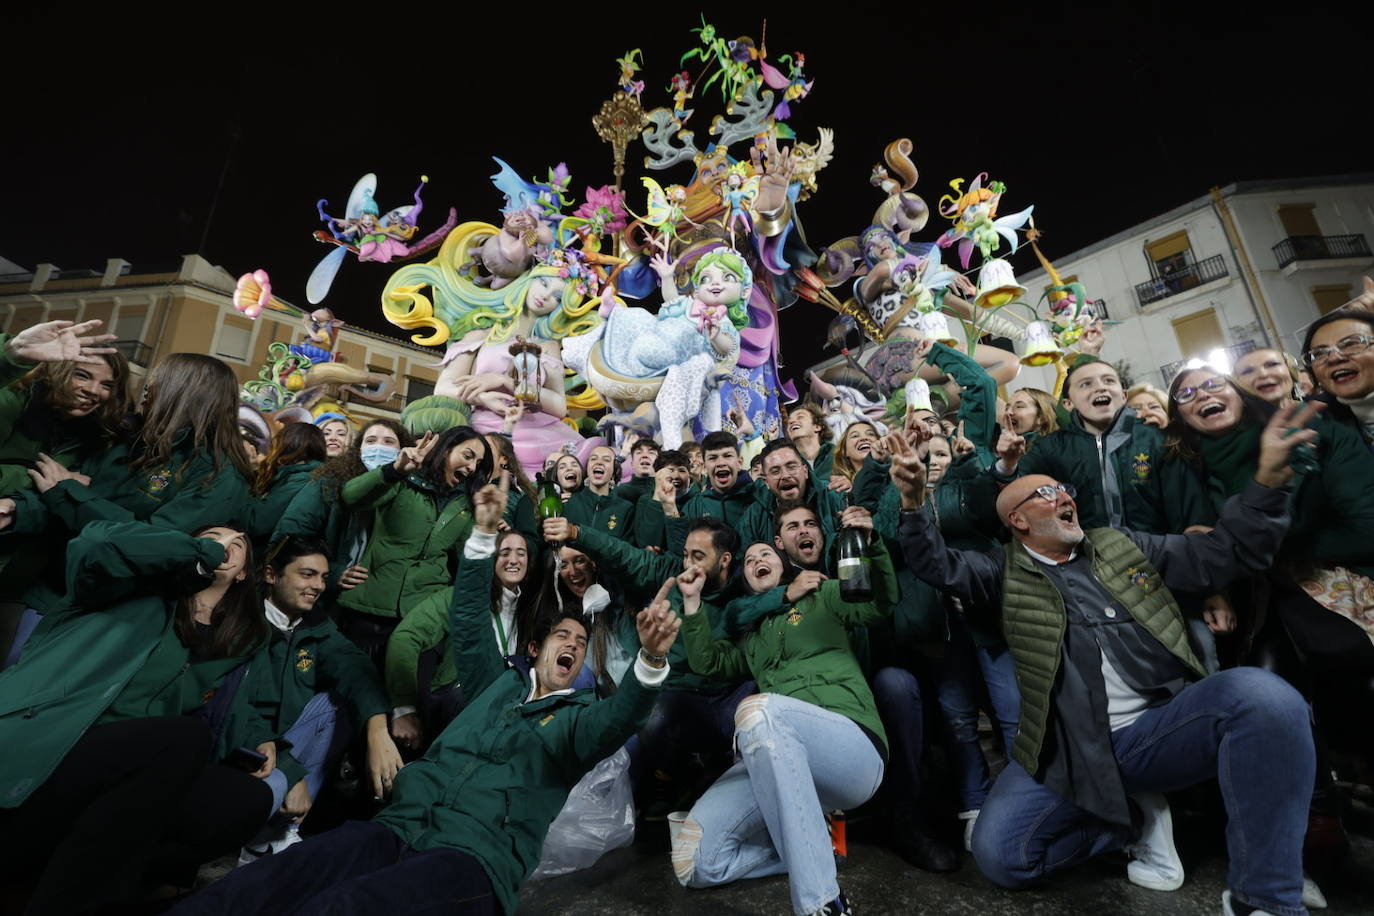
(598, 816)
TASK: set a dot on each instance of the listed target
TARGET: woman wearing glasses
(1337, 350)
(1306, 618)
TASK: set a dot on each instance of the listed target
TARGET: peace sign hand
(410, 459)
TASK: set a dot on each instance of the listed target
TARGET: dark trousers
(128, 798)
(684, 722)
(361, 867)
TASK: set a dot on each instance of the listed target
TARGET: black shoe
(923, 850)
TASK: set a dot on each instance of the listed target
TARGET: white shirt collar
(1046, 560)
(278, 618)
(534, 687)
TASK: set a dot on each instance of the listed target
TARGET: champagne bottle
(550, 504)
(856, 570)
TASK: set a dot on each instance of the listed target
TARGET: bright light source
(1219, 361)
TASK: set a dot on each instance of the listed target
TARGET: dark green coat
(609, 513)
(28, 426)
(651, 525)
(424, 627)
(977, 399)
(803, 649)
(186, 494)
(266, 512)
(110, 652)
(414, 545)
(313, 658)
(495, 779)
(317, 511)
(730, 507)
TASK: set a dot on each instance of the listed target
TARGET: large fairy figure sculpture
(689, 341)
(552, 299)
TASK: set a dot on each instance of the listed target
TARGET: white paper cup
(675, 821)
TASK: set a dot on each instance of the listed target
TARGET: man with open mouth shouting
(467, 821)
(1115, 704)
(786, 475)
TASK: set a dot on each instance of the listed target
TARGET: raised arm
(111, 559)
(715, 658)
(972, 576)
(474, 651)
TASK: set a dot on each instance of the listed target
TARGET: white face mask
(374, 456)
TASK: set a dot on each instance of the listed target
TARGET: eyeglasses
(1346, 346)
(1049, 493)
(1213, 385)
(790, 467)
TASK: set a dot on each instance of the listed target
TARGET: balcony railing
(1320, 248)
(1180, 281)
(135, 351)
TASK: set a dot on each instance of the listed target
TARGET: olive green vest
(1033, 619)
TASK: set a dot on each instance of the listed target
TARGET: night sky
(149, 139)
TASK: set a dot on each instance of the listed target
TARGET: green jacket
(266, 512)
(635, 488)
(641, 574)
(27, 427)
(824, 465)
(110, 652)
(1117, 476)
(977, 399)
(803, 650)
(186, 494)
(730, 507)
(313, 658)
(495, 779)
(317, 511)
(414, 544)
(609, 513)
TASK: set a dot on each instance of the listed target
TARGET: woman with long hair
(297, 451)
(61, 395)
(421, 514)
(181, 466)
(856, 444)
(116, 783)
(317, 510)
(1150, 404)
(1030, 413)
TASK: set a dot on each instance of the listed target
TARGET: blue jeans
(318, 736)
(897, 693)
(766, 815)
(685, 721)
(1244, 727)
(358, 868)
(957, 687)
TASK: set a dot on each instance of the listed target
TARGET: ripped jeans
(766, 815)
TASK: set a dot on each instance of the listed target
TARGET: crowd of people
(1140, 591)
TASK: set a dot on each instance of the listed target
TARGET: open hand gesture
(1284, 432)
(53, 341)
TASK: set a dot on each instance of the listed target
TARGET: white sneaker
(255, 851)
(1227, 911)
(1154, 860)
(969, 818)
(1312, 896)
